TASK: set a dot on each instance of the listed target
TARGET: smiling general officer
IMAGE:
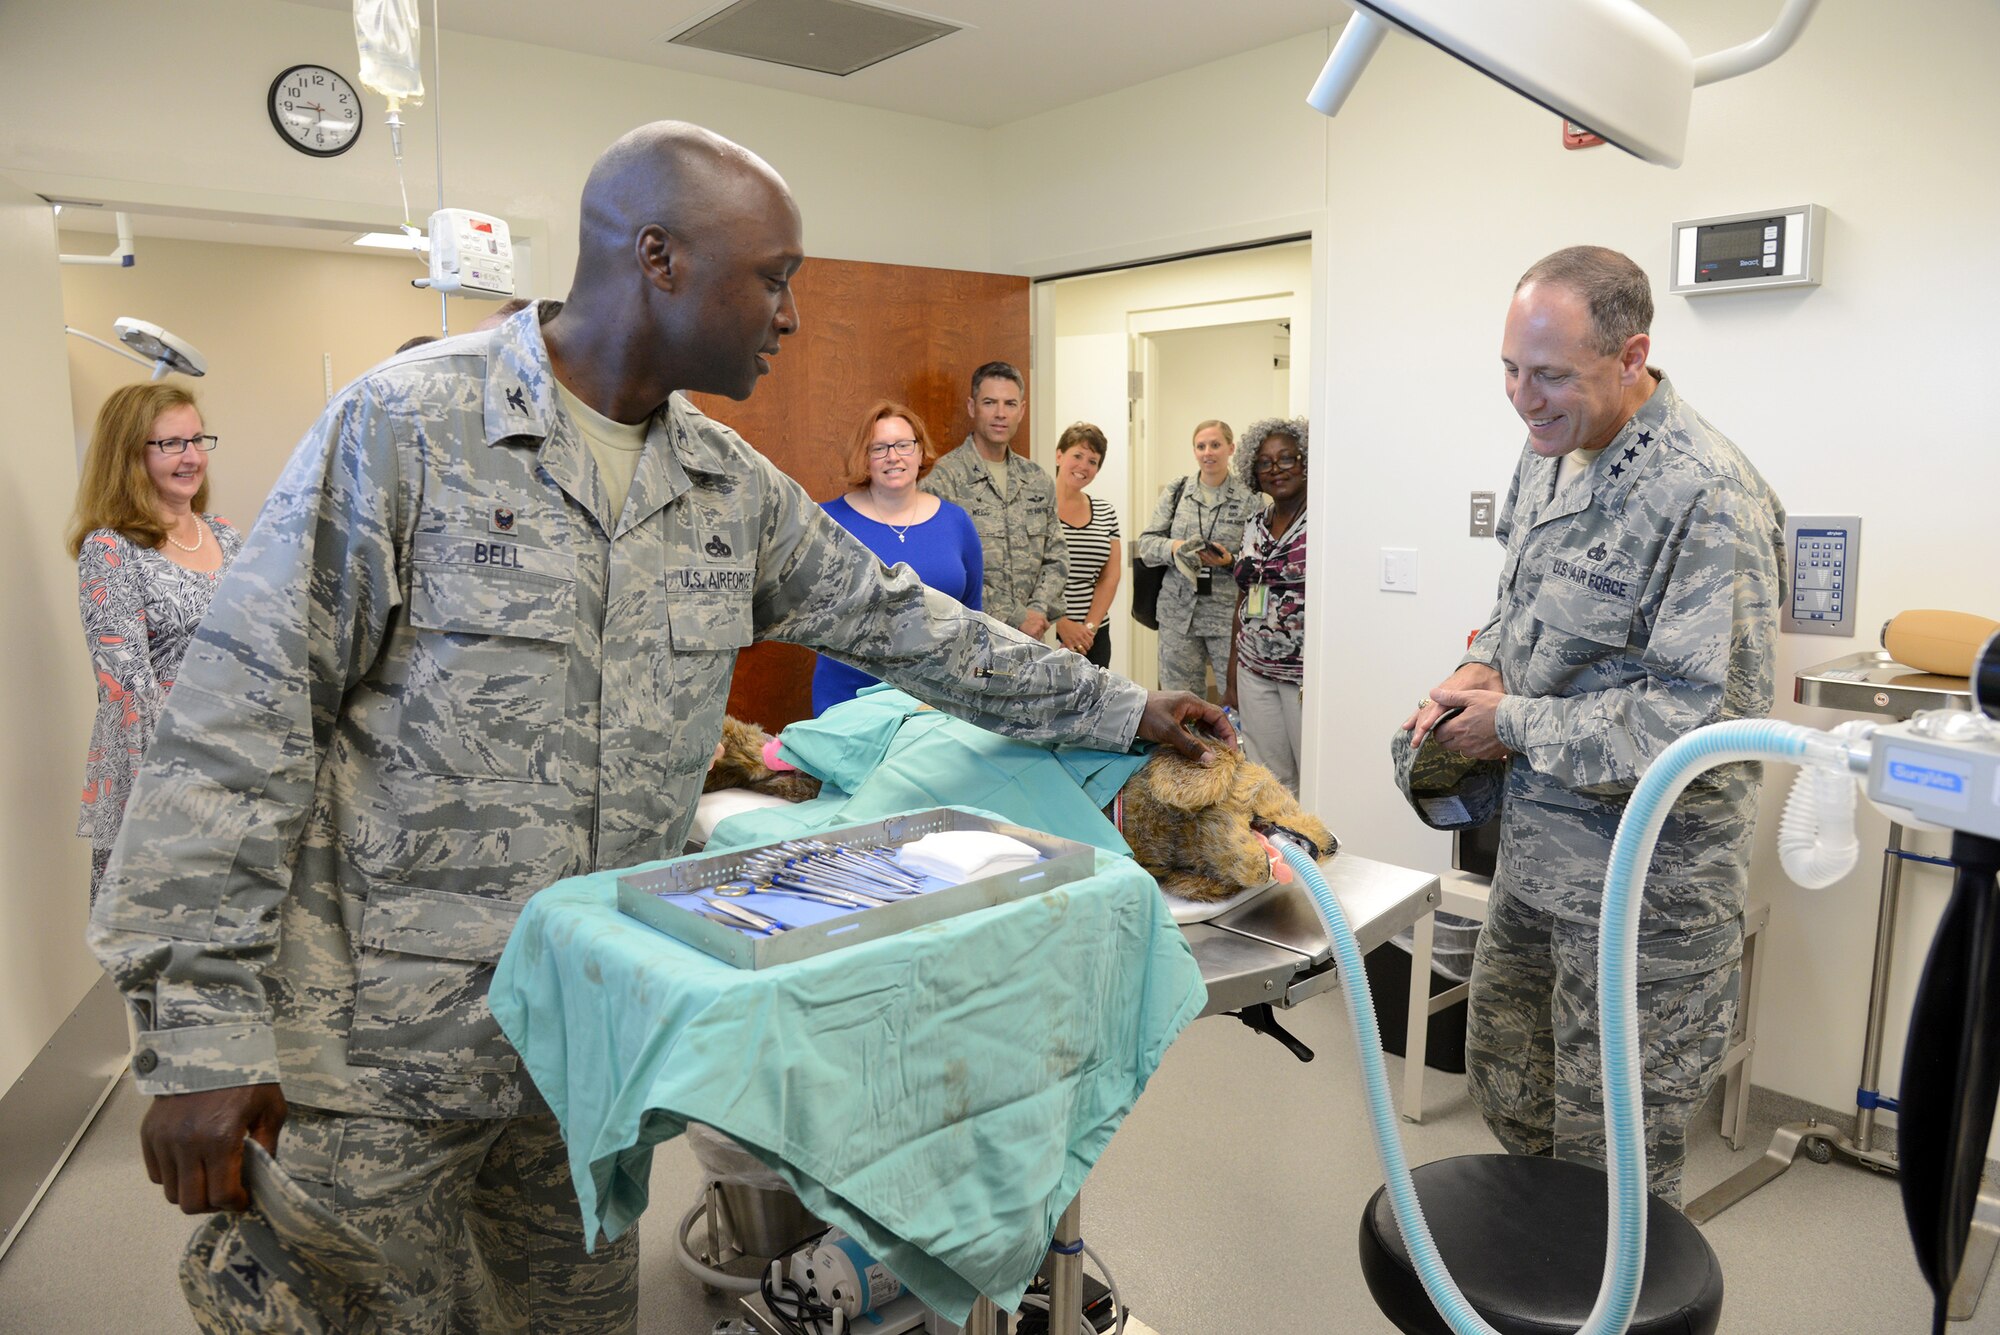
(1638, 601)
(480, 641)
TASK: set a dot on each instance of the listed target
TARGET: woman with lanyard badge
(1194, 531)
(900, 524)
(1266, 660)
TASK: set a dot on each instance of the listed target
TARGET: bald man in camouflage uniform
(1012, 503)
(447, 671)
(1638, 601)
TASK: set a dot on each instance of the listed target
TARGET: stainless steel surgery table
(1276, 950)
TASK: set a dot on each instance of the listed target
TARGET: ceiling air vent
(831, 36)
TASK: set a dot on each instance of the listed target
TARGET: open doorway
(1147, 353)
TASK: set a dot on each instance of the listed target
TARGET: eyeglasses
(882, 449)
(1284, 463)
(177, 444)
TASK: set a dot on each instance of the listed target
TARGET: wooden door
(866, 332)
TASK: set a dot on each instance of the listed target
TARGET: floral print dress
(140, 611)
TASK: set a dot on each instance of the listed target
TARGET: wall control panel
(1740, 251)
(1823, 560)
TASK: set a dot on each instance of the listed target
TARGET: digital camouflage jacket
(1639, 604)
(1027, 560)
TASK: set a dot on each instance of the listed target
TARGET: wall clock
(315, 110)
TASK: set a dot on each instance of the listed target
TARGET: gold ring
(1425, 703)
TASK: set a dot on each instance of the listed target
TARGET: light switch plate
(1399, 570)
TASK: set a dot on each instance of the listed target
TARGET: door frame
(1150, 472)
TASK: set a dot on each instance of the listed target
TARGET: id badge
(1255, 599)
(1204, 580)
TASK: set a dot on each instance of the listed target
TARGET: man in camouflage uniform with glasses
(467, 652)
(1638, 600)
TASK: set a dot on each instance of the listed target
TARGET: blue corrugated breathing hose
(1618, 1021)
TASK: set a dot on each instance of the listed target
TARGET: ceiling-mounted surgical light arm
(1608, 66)
(1358, 41)
(1759, 53)
(123, 256)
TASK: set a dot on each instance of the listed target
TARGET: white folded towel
(966, 855)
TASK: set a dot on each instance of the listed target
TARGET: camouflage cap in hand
(1449, 791)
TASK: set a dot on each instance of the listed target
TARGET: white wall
(268, 318)
(1211, 157)
(164, 102)
(45, 676)
(1866, 395)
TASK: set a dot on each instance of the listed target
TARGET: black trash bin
(1388, 967)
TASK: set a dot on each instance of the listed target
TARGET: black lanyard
(1209, 536)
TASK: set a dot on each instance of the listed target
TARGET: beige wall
(45, 675)
(1224, 371)
(1430, 194)
(266, 318)
(522, 126)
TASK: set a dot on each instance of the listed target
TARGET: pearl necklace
(200, 534)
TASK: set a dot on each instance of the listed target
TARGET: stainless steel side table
(1871, 683)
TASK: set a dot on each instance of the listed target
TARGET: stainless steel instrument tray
(1874, 683)
(1063, 861)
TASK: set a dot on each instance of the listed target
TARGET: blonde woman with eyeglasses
(148, 559)
(891, 452)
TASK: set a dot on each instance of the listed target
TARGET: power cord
(789, 1306)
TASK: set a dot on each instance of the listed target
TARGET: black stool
(1524, 1238)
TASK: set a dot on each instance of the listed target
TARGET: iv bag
(387, 33)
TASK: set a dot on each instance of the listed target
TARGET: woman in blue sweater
(900, 524)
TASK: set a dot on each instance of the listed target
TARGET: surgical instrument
(744, 917)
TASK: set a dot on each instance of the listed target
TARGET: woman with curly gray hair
(1266, 653)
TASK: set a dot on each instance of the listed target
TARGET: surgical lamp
(152, 346)
(1607, 66)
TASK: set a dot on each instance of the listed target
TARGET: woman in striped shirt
(1090, 530)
